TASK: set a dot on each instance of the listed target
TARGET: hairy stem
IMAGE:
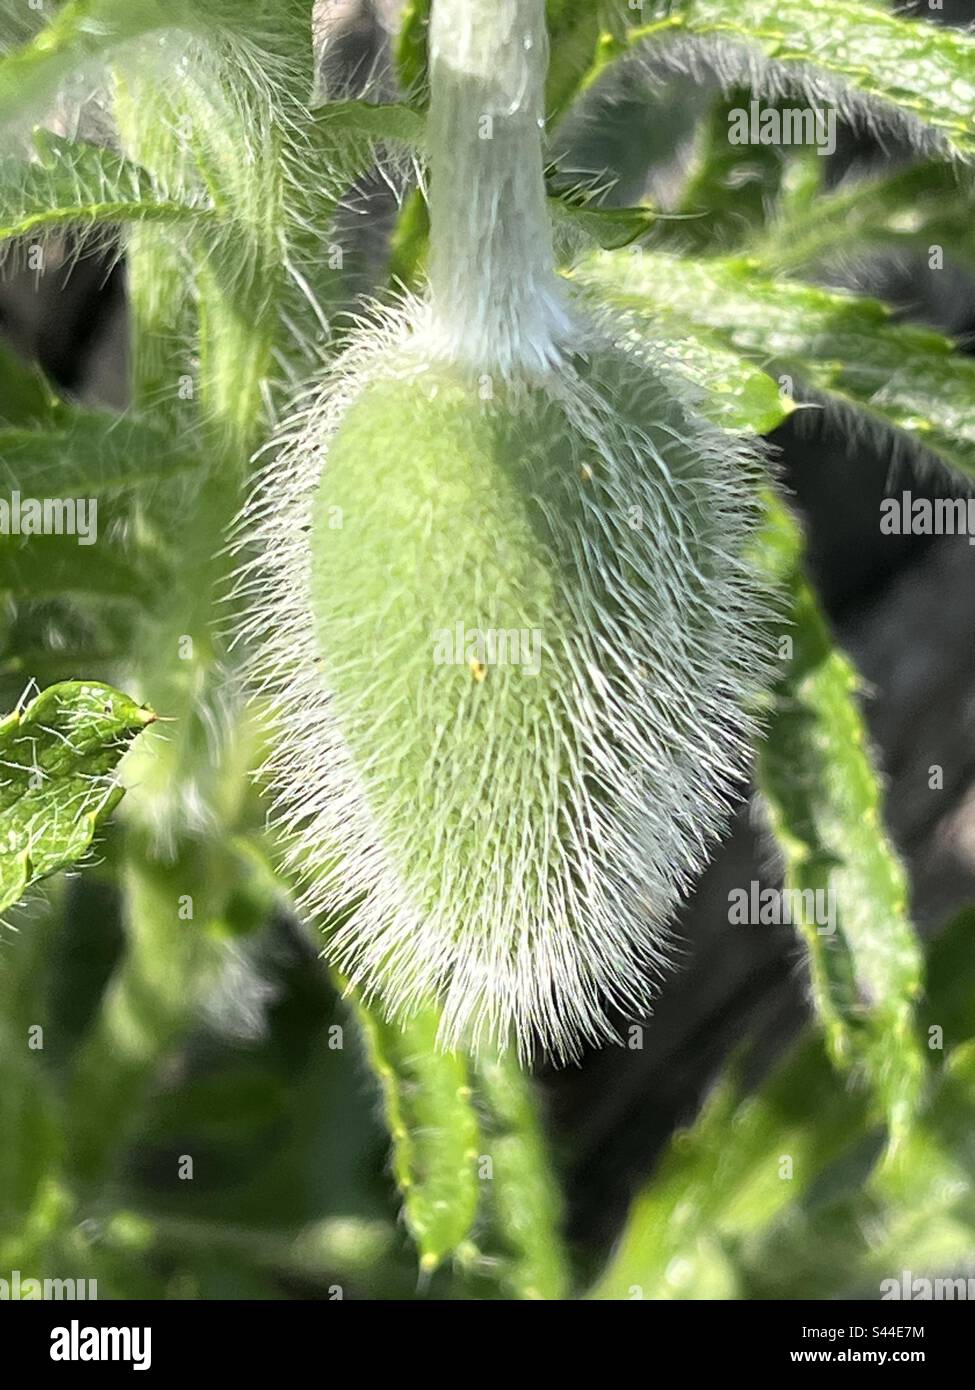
(495, 296)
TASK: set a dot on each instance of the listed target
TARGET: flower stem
(495, 295)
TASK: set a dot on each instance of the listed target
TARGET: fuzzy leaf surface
(908, 380)
(917, 71)
(57, 760)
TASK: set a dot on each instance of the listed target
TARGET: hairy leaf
(907, 379)
(825, 805)
(90, 454)
(610, 228)
(53, 566)
(82, 31)
(735, 393)
(859, 1230)
(58, 756)
(352, 122)
(71, 184)
(730, 187)
(855, 54)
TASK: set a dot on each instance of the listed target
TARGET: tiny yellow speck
(585, 473)
(478, 670)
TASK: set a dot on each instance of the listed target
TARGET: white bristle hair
(560, 934)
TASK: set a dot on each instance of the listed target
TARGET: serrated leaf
(80, 30)
(433, 1127)
(909, 380)
(87, 456)
(72, 184)
(84, 32)
(58, 757)
(779, 1194)
(917, 70)
(348, 136)
(817, 778)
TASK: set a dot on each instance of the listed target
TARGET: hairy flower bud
(503, 608)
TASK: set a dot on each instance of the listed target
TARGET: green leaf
(858, 1229)
(731, 186)
(53, 566)
(411, 50)
(915, 70)
(433, 1127)
(735, 394)
(348, 136)
(82, 30)
(26, 397)
(90, 454)
(526, 1203)
(71, 184)
(364, 124)
(573, 31)
(825, 806)
(610, 228)
(910, 210)
(58, 757)
(724, 1217)
(909, 380)
(409, 242)
(723, 1178)
(87, 456)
